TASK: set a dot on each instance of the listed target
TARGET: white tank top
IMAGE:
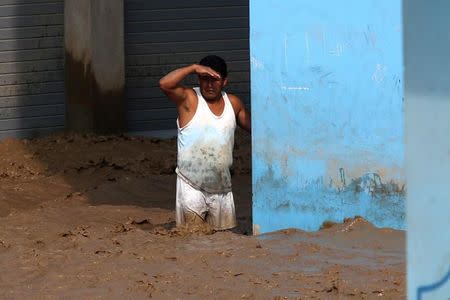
(205, 147)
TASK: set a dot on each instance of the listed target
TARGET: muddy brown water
(85, 217)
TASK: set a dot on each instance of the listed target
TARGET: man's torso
(205, 145)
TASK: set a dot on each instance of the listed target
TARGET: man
(206, 122)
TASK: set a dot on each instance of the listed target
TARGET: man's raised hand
(206, 71)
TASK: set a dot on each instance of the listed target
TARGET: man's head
(210, 87)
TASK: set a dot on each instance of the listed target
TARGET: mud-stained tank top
(205, 147)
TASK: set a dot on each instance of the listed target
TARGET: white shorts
(216, 209)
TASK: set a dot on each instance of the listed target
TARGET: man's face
(210, 87)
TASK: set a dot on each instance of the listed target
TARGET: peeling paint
(307, 56)
(295, 88)
(258, 65)
(372, 184)
(379, 73)
(380, 202)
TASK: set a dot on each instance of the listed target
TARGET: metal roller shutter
(31, 67)
(163, 35)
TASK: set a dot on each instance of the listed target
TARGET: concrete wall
(427, 98)
(95, 65)
(327, 108)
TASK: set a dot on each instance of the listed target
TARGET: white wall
(427, 98)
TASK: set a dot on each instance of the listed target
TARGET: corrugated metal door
(31, 67)
(161, 35)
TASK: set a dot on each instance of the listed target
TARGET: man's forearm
(174, 78)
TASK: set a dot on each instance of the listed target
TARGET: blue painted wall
(327, 109)
(427, 99)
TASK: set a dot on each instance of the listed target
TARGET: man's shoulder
(192, 91)
(191, 94)
(190, 101)
(235, 101)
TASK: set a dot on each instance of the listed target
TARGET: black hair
(216, 63)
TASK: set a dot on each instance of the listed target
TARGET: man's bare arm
(243, 117)
(171, 83)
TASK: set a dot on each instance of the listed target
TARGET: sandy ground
(85, 217)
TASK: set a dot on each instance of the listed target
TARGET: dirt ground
(88, 216)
